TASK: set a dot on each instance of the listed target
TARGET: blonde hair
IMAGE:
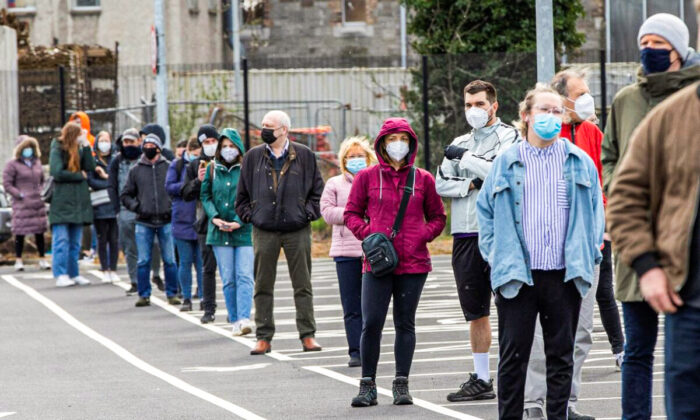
(348, 143)
(69, 137)
(527, 103)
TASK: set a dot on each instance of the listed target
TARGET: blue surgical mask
(27, 153)
(547, 126)
(655, 60)
(355, 165)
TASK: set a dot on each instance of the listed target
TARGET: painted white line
(7, 413)
(129, 357)
(387, 392)
(225, 368)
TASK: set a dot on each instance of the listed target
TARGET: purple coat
(23, 183)
(333, 201)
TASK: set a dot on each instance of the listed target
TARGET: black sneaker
(132, 290)
(367, 395)
(575, 415)
(201, 305)
(354, 361)
(186, 306)
(143, 301)
(207, 318)
(159, 283)
(400, 390)
(473, 389)
(174, 300)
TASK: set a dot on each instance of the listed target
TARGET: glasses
(554, 110)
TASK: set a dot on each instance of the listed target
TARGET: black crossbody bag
(377, 248)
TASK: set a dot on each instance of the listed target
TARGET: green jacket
(627, 111)
(218, 196)
(70, 202)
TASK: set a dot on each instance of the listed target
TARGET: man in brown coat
(654, 223)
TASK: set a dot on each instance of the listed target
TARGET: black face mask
(151, 152)
(268, 135)
(131, 152)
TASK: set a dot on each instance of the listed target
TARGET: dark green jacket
(218, 196)
(71, 196)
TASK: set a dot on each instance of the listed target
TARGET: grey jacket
(454, 176)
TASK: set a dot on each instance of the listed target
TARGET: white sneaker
(106, 277)
(114, 277)
(81, 281)
(619, 357)
(19, 265)
(246, 326)
(44, 265)
(236, 330)
(64, 281)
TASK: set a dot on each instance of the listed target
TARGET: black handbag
(378, 249)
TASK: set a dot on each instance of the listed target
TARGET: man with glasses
(541, 228)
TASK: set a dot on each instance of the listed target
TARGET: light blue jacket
(501, 237)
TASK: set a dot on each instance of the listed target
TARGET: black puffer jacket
(284, 202)
(144, 192)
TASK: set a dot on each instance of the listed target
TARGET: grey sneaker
(575, 415)
(534, 413)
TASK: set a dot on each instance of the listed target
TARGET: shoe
(310, 344)
(207, 318)
(64, 281)
(81, 281)
(619, 357)
(246, 326)
(354, 361)
(196, 294)
(106, 277)
(19, 265)
(473, 389)
(143, 301)
(367, 395)
(201, 305)
(173, 300)
(575, 415)
(186, 305)
(236, 329)
(44, 265)
(261, 347)
(114, 277)
(534, 413)
(159, 283)
(132, 290)
(400, 390)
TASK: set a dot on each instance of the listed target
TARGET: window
(84, 4)
(20, 7)
(253, 12)
(354, 11)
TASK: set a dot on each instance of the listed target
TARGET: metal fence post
(62, 93)
(603, 91)
(426, 116)
(246, 116)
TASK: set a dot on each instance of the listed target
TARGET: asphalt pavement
(88, 353)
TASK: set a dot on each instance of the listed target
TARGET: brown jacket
(654, 197)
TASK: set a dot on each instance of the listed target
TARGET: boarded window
(354, 11)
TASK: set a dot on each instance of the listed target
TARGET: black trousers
(605, 296)
(208, 275)
(40, 245)
(376, 295)
(107, 243)
(558, 304)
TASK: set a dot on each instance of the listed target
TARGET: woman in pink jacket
(355, 154)
(374, 201)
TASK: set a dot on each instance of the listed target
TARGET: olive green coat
(70, 202)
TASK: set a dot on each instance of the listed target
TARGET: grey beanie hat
(152, 138)
(671, 28)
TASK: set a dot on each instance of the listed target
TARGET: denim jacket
(501, 237)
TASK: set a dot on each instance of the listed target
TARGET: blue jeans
(144, 243)
(641, 329)
(350, 282)
(65, 245)
(682, 352)
(236, 271)
(189, 254)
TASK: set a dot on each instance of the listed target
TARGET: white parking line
(128, 356)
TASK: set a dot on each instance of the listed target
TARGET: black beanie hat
(206, 131)
(154, 129)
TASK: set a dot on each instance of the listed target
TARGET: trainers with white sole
(114, 276)
(106, 277)
(81, 281)
(246, 326)
(236, 329)
(64, 281)
(44, 265)
(19, 265)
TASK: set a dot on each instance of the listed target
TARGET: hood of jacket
(232, 134)
(85, 124)
(665, 83)
(391, 126)
(24, 141)
(144, 161)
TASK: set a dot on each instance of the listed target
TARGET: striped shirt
(545, 205)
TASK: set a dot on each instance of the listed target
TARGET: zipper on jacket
(155, 189)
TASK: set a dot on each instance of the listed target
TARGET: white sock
(481, 366)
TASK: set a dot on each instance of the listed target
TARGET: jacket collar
(512, 155)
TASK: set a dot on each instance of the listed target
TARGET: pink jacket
(333, 201)
(375, 198)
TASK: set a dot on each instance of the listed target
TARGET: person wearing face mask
(355, 155)
(541, 224)
(467, 162)
(208, 138)
(183, 218)
(667, 66)
(372, 207)
(278, 193)
(105, 217)
(229, 237)
(23, 180)
(145, 195)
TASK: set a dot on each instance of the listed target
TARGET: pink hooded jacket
(375, 198)
(333, 201)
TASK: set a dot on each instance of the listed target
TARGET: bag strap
(407, 192)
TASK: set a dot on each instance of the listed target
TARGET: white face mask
(584, 106)
(397, 150)
(477, 117)
(104, 147)
(209, 149)
(229, 154)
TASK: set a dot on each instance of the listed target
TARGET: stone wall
(9, 116)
